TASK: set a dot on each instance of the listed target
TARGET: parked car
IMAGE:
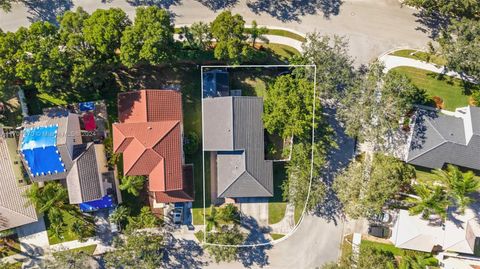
(178, 215)
(379, 231)
(383, 217)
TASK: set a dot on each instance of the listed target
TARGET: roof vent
(149, 128)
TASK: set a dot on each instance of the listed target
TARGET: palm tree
(132, 184)
(52, 195)
(212, 219)
(459, 185)
(417, 261)
(257, 33)
(430, 200)
(119, 215)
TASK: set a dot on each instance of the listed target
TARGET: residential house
(150, 137)
(15, 210)
(459, 233)
(233, 131)
(52, 148)
(437, 139)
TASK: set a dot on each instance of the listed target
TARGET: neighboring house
(233, 129)
(215, 83)
(458, 233)
(52, 149)
(149, 135)
(438, 139)
(15, 210)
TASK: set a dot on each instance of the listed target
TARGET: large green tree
(289, 107)
(374, 106)
(304, 177)
(40, 62)
(461, 47)
(448, 8)
(334, 66)
(103, 30)
(198, 35)
(149, 39)
(229, 33)
(136, 250)
(225, 236)
(366, 185)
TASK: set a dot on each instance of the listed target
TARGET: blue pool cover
(39, 149)
(87, 106)
(105, 202)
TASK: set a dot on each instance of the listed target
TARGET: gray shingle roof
(233, 126)
(14, 208)
(438, 139)
(84, 181)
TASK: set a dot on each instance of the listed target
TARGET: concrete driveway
(372, 26)
(256, 208)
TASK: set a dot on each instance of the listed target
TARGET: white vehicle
(178, 215)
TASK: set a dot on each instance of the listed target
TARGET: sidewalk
(286, 225)
(391, 62)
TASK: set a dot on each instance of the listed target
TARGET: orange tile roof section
(150, 136)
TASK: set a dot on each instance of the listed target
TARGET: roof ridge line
(231, 183)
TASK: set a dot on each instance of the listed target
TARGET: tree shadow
(292, 10)
(216, 5)
(32, 256)
(46, 10)
(182, 253)
(254, 256)
(432, 23)
(338, 158)
(159, 3)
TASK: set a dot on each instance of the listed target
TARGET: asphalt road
(372, 26)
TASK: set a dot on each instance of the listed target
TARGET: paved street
(372, 26)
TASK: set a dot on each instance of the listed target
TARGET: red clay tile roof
(185, 195)
(150, 138)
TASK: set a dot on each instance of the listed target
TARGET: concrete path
(287, 224)
(391, 62)
(33, 238)
(372, 26)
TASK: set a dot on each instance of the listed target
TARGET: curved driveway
(372, 26)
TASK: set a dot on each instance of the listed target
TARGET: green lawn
(420, 55)
(286, 34)
(66, 235)
(390, 248)
(276, 236)
(86, 249)
(283, 51)
(276, 204)
(451, 90)
(276, 212)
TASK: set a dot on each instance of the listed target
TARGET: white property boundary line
(311, 161)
